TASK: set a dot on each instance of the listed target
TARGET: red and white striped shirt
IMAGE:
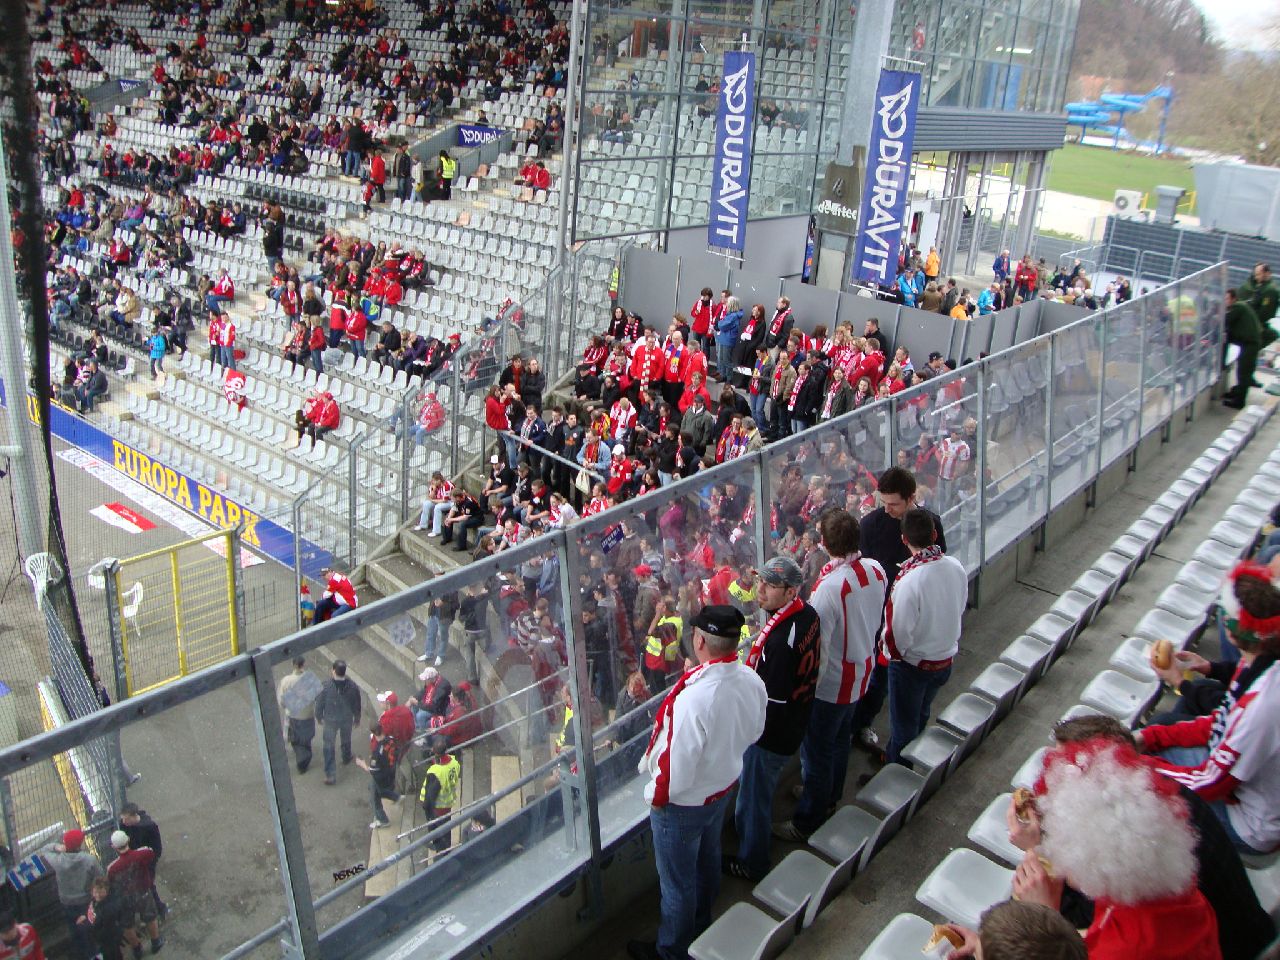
(849, 597)
(950, 455)
(713, 713)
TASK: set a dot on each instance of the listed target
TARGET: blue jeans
(797, 424)
(911, 693)
(351, 163)
(757, 401)
(824, 758)
(513, 449)
(434, 644)
(724, 359)
(228, 357)
(357, 347)
(753, 815)
(214, 302)
(686, 845)
(330, 733)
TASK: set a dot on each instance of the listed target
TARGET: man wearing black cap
(714, 713)
(786, 655)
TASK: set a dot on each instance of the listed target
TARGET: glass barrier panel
(201, 782)
(1184, 318)
(1014, 485)
(1121, 380)
(1159, 360)
(1211, 298)
(478, 667)
(936, 435)
(642, 576)
(1077, 359)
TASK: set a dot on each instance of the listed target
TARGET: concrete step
(427, 551)
(146, 389)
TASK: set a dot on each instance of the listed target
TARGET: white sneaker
(439, 661)
(378, 826)
(433, 534)
(420, 527)
(869, 738)
(423, 658)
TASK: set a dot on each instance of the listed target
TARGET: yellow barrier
(176, 610)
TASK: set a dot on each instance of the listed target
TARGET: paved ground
(202, 779)
(888, 886)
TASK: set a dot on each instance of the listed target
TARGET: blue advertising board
(473, 136)
(212, 506)
(884, 193)
(731, 165)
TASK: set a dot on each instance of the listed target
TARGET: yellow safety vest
(740, 593)
(564, 728)
(653, 643)
(744, 642)
(448, 775)
(613, 280)
(448, 167)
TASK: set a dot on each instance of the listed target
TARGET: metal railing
(1043, 419)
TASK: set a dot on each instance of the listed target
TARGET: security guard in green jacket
(1244, 329)
(448, 171)
(1261, 293)
(440, 789)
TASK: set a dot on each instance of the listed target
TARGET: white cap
(385, 696)
(619, 450)
(494, 458)
(430, 673)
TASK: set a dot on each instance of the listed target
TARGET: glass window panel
(1121, 381)
(1159, 361)
(1077, 356)
(1016, 461)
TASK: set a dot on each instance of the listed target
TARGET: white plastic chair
(991, 832)
(904, 936)
(964, 885)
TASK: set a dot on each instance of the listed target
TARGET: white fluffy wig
(1113, 827)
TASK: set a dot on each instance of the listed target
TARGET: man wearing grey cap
(715, 711)
(786, 655)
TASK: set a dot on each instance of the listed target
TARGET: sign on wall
(837, 211)
(884, 195)
(731, 166)
(473, 136)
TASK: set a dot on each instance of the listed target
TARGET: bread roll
(1162, 654)
(942, 933)
(1024, 801)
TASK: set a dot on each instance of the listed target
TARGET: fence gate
(175, 611)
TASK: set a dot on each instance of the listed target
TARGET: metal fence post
(10, 819)
(236, 592)
(406, 452)
(297, 563)
(983, 427)
(1142, 380)
(1048, 435)
(352, 498)
(455, 400)
(284, 811)
(110, 579)
(1102, 402)
(580, 688)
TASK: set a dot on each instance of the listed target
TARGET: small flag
(118, 515)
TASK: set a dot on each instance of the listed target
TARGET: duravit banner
(473, 136)
(731, 167)
(209, 504)
(884, 194)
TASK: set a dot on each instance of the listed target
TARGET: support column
(664, 187)
(1008, 210)
(952, 207)
(984, 176)
(1031, 193)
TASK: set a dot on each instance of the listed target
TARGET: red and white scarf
(795, 389)
(779, 318)
(757, 645)
(666, 716)
(927, 555)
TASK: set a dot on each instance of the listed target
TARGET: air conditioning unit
(1127, 203)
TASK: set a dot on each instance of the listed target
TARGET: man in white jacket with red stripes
(713, 713)
(921, 629)
(849, 597)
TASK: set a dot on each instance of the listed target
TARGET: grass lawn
(1099, 172)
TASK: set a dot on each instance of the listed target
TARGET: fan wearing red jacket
(1026, 278)
(357, 329)
(648, 361)
(703, 316)
(319, 415)
(19, 941)
(339, 595)
(677, 359)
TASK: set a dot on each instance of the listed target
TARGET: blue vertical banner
(884, 193)
(731, 167)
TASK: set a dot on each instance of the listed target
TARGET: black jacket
(144, 833)
(788, 666)
(881, 540)
(338, 702)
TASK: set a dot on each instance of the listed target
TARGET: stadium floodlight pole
(20, 451)
(571, 127)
